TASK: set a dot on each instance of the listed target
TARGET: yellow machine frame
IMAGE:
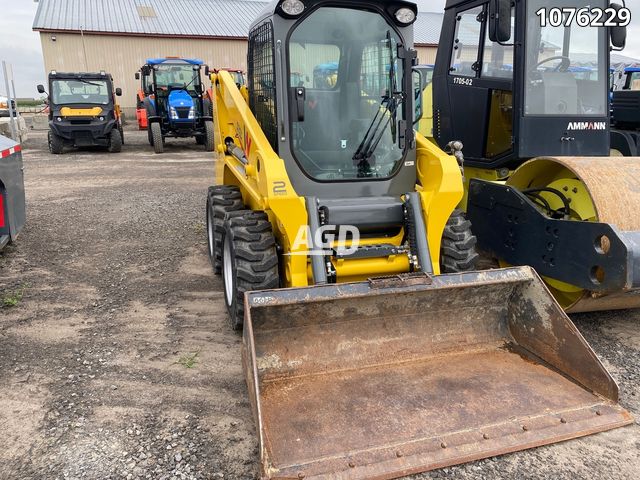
(265, 186)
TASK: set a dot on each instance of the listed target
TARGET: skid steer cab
(172, 101)
(83, 111)
(387, 353)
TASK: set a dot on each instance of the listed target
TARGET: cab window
(314, 65)
(497, 58)
(466, 43)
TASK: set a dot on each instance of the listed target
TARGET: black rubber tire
(458, 251)
(115, 141)
(158, 141)
(56, 143)
(209, 139)
(200, 139)
(121, 130)
(253, 260)
(150, 135)
(221, 201)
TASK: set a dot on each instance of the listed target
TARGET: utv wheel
(56, 143)
(221, 201)
(250, 261)
(121, 130)
(458, 252)
(115, 141)
(209, 138)
(158, 141)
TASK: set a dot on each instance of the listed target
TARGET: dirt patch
(118, 360)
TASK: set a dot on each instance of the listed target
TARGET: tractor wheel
(115, 141)
(158, 141)
(209, 138)
(56, 143)
(249, 261)
(150, 135)
(458, 251)
(200, 139)
(221, 200)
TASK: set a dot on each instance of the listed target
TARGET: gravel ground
(117, 360)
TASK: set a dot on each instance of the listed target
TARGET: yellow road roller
(524, 87)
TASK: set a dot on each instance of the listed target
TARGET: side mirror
(417, 95)
(137, 75)
(500, 21)
(118, 92)
(618, 34)
(206, 70)
(41, 89)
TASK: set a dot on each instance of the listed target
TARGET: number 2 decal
(279, 188)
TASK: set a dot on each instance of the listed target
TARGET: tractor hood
(180, 98)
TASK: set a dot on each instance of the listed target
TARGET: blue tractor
(175, 102)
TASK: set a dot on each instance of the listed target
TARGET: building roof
(212, 18)
(427, 28)
(189, 18)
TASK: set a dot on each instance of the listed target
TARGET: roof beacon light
(292, 7)
(405, 16)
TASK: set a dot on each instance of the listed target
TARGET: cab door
(480, 83)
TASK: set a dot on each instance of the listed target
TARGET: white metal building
(117, 36)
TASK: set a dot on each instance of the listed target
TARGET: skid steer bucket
(390, 377)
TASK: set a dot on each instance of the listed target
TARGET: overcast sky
(20, 46)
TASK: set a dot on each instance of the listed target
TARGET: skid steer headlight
(405, 16)
(292, 7)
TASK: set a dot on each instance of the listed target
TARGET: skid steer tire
(158, 141)
(221, 201)
(458, 251)
(209, 138)
(115, 141)
(250, 261)
(56, 143)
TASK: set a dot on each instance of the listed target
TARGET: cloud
(20, 46)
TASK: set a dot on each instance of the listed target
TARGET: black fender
(152, 114)
(206, 109)
(625, 142)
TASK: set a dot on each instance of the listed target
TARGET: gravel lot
(117, 361)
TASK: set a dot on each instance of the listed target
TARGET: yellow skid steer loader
(372, 347)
